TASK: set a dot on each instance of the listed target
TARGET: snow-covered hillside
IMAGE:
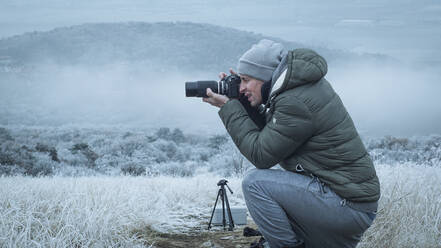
(181, 45)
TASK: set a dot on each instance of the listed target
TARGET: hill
(183, 45)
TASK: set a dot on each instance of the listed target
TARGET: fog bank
(383, 99)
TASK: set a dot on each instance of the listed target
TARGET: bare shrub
(177, 135)
(11, 170)
(129, 147)
(393, 150)
(48, 149)
(85, 150)
(168, 148)
(5, 135)
(217, 141)
(133, 169)
(177, 169)
(394, 143)
(163, 133)
(15, 158)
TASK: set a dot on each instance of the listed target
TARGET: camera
(228, 86)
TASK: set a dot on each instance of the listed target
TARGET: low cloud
(382, 99)
(393, 99)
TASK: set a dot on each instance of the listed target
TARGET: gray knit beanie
(261, 60)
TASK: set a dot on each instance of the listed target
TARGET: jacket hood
(298, 67)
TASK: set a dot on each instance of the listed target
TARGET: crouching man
(327, 194)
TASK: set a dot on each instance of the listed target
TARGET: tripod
(223, 194)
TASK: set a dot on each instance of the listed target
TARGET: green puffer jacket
(307, 127)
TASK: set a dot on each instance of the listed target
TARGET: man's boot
(263, 244)
(250, 232)
(260, 244)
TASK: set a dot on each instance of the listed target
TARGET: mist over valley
(133, 73)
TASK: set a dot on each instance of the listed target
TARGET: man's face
(251, 88)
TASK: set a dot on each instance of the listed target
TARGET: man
(327, 194)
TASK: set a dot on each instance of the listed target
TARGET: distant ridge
(182, 45)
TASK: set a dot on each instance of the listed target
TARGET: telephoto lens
(199, 88)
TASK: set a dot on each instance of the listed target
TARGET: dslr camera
(228, 86)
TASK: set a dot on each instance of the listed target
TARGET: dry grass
(123, 211)
(410, 208)
(100, 211)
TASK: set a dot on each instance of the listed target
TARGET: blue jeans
(290, 207)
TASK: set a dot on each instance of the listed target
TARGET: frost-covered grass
(103, 211)
(121, 211)
(410, 208)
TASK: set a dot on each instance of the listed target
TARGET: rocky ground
(215, 238)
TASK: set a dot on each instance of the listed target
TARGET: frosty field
(121, 211)
(100, 147)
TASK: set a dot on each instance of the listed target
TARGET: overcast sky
(405, 28)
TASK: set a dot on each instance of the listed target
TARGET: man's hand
(217, 99)
(223, 74)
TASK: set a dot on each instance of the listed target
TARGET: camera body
(228, 86)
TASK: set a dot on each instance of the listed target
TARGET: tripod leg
(212, 213)
(224, 221)
(230, 216)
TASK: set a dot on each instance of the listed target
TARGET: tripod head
(223, 183)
